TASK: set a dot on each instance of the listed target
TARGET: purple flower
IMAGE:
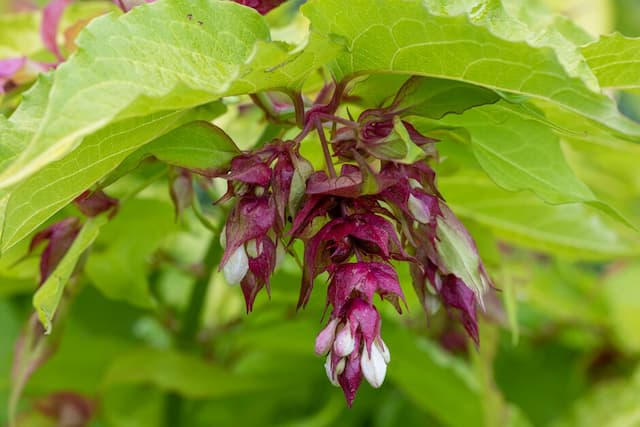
(363, 280)
(250, 219)
(262, 183)
(354, 347)
(382, 206)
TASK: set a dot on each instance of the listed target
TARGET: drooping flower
(382, 207)
(354, 348)
(264, 184)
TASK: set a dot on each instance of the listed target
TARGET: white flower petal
(340, 366)
(432, 304)
(330, 374)
(252, 248)
(384, 350)
(280, 254)
(223, 237)
(236, 267)
(374, 368)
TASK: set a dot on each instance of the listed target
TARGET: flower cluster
(382, 207)
(262, 183)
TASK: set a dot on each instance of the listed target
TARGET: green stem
(325, 148)
(186, 337)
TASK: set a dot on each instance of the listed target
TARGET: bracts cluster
(382, 207)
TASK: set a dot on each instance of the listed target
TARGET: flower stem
(325, 147)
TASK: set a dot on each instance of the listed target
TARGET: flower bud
(236, 267)
(374, 366)
(344, 343)
(325, 338)
(253, 250)
(417, 209)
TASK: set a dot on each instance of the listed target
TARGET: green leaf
(37, 198)
(454, 40)
(167, 55)
(48, 296)
(119, 266)
(24, 121)
(571, 230)
(615, 60)
(435, 98)
(520, 153)
(197, 145)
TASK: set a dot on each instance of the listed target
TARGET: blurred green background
(563, 348)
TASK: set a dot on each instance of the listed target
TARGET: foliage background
(564, 352)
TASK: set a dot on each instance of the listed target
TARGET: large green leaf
(435, 98)
(163, 56)
(24, 121)
(571, 230)
(34, 200)
(519, 152)
(197, 145)
(615, 59)
(470, 41)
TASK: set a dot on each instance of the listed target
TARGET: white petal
(236, 267)
(327, 367)
(344, 343)
(325, 338)
(340, 366)
(384, 350)
(374, 368)
(417, 209)
(280, 254)
(432, 304)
